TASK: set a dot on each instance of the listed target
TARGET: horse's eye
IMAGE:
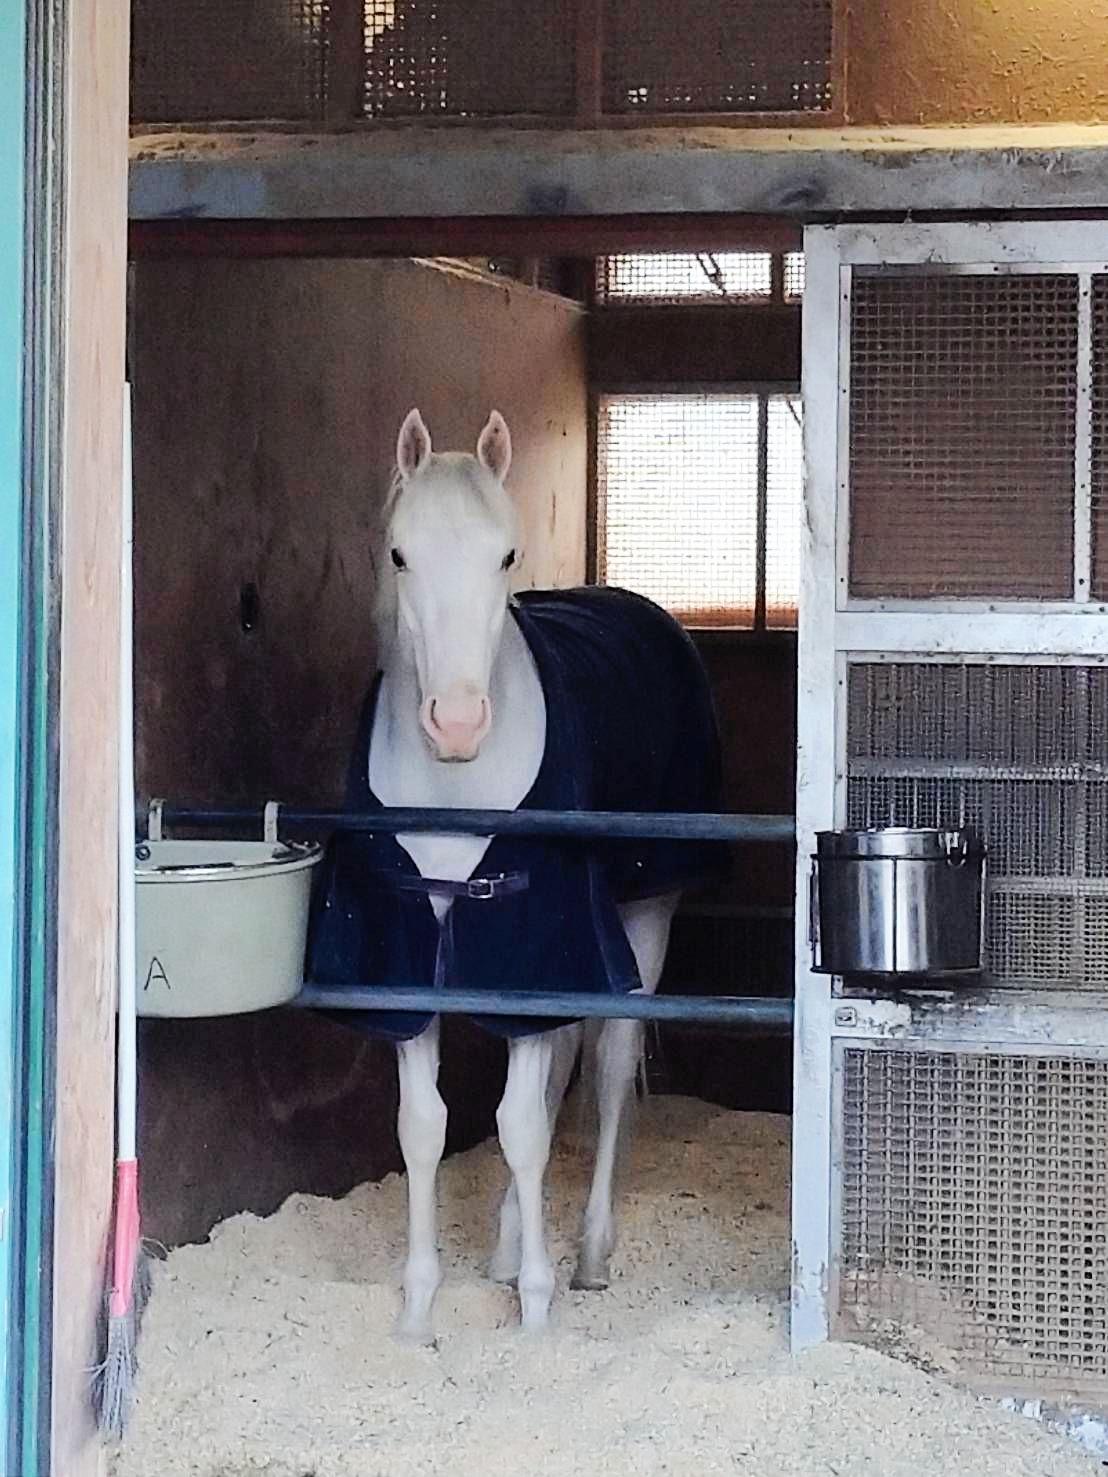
(509, 559)
(397, 558)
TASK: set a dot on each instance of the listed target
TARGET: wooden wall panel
(94, 253)
(267, 401)
(268, 396)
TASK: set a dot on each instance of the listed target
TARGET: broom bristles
(126, 1300)
(114, 1387)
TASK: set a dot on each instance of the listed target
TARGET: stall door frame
(835, 628)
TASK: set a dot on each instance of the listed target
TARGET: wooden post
(590, 68)
(344, 73)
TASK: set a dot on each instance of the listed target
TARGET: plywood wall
(267, 401)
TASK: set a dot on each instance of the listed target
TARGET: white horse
(460, 721)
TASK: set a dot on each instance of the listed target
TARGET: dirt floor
(269, 1350)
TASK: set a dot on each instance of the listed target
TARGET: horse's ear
(494, 446)
(413, 445)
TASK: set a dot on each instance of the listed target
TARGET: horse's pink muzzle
(456, 723)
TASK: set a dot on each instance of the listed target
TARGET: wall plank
(94, 250)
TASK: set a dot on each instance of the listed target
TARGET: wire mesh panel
(794, 276)
(699, 503)
(203, 60)
(455, 58)
(963, 393)
(678, 493)
(1021, 754)
(697, 56)
(659, 277)
(973, 1213)
(1100, 437)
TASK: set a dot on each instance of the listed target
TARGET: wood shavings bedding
(268, 1352)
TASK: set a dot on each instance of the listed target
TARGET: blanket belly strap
(478, 889)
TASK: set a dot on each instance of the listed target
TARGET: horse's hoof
(418, 1337)
(534, 1320)
(583, 1283)
(504, 1279)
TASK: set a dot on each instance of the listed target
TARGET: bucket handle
(813, 914)
(269, 821)
(154, 820)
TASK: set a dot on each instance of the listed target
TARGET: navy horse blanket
(630, 726)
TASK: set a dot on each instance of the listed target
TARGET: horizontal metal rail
(583, 824)
(757, 1013)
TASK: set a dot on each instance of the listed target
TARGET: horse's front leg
(422, 1130)
(504, 1266)
(523, 1122)
(618, 1053)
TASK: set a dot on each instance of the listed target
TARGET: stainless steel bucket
(897, 902)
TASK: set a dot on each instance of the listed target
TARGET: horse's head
(452, 542)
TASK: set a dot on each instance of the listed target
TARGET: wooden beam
(564, 236)
(374, 173)
(747, 344)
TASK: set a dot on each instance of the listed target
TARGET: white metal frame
(835, 629)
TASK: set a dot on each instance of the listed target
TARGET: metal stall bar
(769, 1014)
(584, 824)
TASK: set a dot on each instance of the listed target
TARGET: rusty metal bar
(556, 236)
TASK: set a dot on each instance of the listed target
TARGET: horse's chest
(402, 772)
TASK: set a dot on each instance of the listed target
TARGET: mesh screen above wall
(461, 59)
(698, 56)
(963, 396)
(203, 60)
(301, 60)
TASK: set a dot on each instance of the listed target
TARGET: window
(660, 277)
(698, 501)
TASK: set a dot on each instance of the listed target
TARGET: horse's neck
(402, 770)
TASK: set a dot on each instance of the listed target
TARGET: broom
(130, 1271)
